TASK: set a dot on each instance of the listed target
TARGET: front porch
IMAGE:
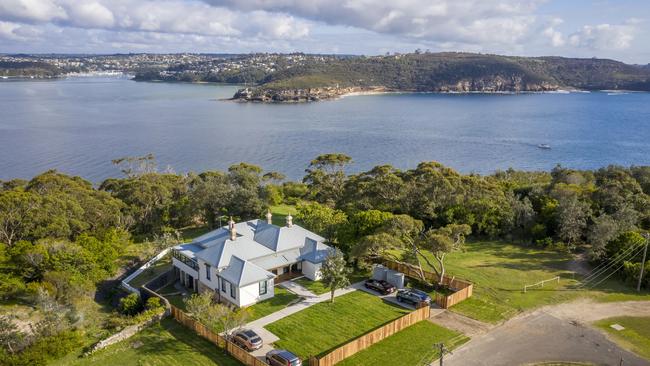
(287, 273)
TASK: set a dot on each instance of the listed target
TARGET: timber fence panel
(462, 289)
(368, 339)
(234, 350)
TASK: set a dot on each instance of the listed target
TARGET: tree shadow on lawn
(183, 340)
(528, 266)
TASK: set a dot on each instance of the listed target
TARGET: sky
(616, 29)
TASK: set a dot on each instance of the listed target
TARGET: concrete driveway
(537, 337)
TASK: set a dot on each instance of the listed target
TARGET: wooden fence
(371, 338)
(234, 350)
(462, 289)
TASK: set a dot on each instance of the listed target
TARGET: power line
(617, 269)
(598, 271)
(630, 253)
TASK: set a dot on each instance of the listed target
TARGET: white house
(242, 261)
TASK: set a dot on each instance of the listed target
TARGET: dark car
(281, 357)
(413, 296)
(247, 339)
(380, 286)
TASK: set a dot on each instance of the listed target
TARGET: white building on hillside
(242, 262)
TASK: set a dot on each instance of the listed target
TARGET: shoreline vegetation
(65, 241)
(298, 77)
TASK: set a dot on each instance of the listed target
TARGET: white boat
(544, 146)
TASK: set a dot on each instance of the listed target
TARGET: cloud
(466, 22)
(555, 37)
(163, 16)
(605, 36)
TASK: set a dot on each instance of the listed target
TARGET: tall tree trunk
(332, 295)
(442, 268)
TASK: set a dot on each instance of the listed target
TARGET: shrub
(130, 305)
(153, 303)
(44, 350)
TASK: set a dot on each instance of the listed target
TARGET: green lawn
(163, 265)
(167, 343)
(635, 336)
(319, 288)
(279, 301)
(280, 213)
(411, 347)
(325, 326)
(500, 270)
(191, 232)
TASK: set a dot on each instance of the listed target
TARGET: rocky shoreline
(304, 95)
(299, 95)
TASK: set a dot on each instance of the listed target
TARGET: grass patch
(167, 343)
(160, 267)
(500, 270)
(281, 298)
(325, 326)
(319, 288)
(191, 232)
(280, 213)
(636, 335)
(410, 347)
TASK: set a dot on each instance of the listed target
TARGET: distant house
(241, 262)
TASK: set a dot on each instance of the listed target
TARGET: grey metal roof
(315, 252)
(278, 259)
(263, 245)
(242, 273)
(189, 250)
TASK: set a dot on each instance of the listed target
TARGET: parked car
(380, 286)
(413, 296)
(247, 339)
(282, 357)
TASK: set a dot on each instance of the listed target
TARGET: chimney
(289, 221)
(231, 228)
(269, 217)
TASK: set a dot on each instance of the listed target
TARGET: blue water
(78, 125)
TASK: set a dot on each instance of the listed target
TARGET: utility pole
(645, 252)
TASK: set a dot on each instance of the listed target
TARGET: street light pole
(645, 252)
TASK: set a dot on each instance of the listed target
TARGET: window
(233, 291)
(207, 271)
(223, 285)
(263, 287)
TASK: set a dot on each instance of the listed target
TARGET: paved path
(298, 289)
(553, 333)
(309, 299)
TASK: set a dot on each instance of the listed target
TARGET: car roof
(249, 333)
(287, 355)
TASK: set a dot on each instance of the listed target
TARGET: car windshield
(250, 334)
(296, 363)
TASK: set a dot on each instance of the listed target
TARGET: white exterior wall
(213, 282)
(184, 267)
(311, 270)
(250, 294)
